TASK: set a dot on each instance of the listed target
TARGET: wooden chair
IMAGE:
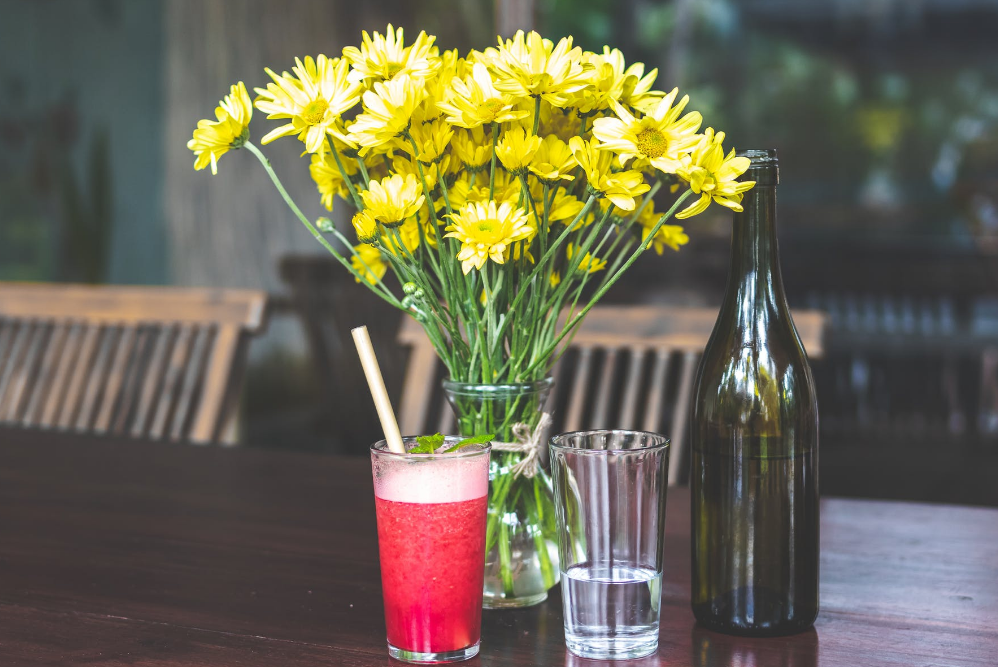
(628, 367)
(151, 362)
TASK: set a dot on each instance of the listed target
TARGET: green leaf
(427, 444)
(475, 440)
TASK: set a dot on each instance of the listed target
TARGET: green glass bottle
(754, 431)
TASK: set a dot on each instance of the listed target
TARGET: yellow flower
(393, 199)
(366, 226)
(714, 176)
(474, 101)
(313, 99)
(369, 263)
(661, 137)
(588, 263)
(563, 123)
(671, 236)
(405, 167)
(553, 161)
(328, 178)
(432, 139)
(408, 232)
(529, 65)
(485, 231)
(516, 149)
(554, 278)
(612, 82)
(383, 57)
(472, 148)
(213, 138)
(387, 113)
(619, 187)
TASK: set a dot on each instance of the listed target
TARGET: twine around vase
(528, 442)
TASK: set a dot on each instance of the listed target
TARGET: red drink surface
(432, 572)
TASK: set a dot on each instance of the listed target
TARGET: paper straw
(372, 371)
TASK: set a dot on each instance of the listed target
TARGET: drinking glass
(431, 537)
(610, 504)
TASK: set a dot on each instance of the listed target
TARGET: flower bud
(324, 225)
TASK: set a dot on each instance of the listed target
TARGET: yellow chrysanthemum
(553, 161)
(313, 99)
(619, 187)
(612, 81)
(408, 232)
(486, 231)
(472, 148)
(667, 236)
(529, 65)
(366, 227)
(661, 136)
(369, 263)
(554, 278)
(405, 167)
(432, 139)
(328, 178)
(474, 101)
(588, 263)
(387, 113)
(213, 138)
(383, 57)
(714, 176)
(562, 123)
(516, 149)
(393, 199)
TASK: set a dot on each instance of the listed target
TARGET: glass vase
(521, 549)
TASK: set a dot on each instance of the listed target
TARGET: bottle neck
(754, 280)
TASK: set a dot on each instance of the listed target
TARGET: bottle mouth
(765, 167)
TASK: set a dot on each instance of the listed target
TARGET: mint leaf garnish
(476, 440)
(427, 444)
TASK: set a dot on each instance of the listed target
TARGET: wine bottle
(754, 432)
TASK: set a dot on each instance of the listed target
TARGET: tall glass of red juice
(431, 537)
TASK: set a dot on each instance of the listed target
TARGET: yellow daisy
(432, 139)
(383, 57)
(619, 187)
(661, 136)
(369, 263)
(553, 161)
(388, 110)
(516, 149)
(313, 99)
(529, 65)
(562, 123)
(474, 101)
(393, 199)
(554, 278)
(613, 81)
(213, 138)
(405, 167)
(365, 226)
(714, 176)
(472, 148)
(328, 178)
(671, 236)
(408, 232)
(588, 263)
(486, 231)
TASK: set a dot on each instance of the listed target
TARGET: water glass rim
(469, 389)
(380, 449)
(662, 441)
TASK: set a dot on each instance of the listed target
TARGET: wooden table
(131, 553)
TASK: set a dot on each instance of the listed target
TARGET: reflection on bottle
(709, 649)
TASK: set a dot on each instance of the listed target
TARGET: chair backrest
(150, 362)
(628, 367)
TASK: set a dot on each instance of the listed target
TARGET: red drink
(432, 568)
(431, 538)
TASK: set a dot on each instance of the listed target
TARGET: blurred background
(884, 113)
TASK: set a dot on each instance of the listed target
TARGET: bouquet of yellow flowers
(507, 191)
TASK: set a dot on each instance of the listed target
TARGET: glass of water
(610, 505)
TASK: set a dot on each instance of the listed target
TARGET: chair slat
(16, 362)
(152, 382)
(417, 389)
(192, 376)
(115, 378)
(27, 375)
(134, 369)
(656, 393)
(171, 381)
(96, 381)
(632, 385)
(604, 390)
(573, 420)
(42, 386)
(60, 380)
(7, 330)
(223, 352)
(74, 393)
(680, 416)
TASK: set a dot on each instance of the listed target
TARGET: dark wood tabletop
(133, 553)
